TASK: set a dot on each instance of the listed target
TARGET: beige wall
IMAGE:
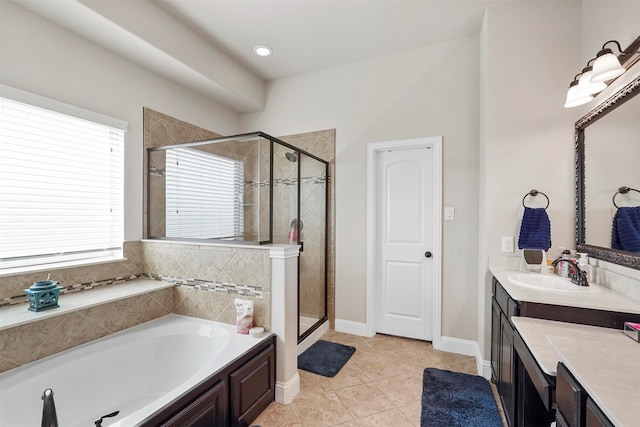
(526, 133)
(422, 92)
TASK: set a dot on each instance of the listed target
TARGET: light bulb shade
(606, 67)
(586, 86)
(573, 98)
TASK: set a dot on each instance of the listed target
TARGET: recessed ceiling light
(262, 50)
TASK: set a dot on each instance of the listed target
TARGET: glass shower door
(312, 235)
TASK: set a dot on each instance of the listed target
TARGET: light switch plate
(449, 213)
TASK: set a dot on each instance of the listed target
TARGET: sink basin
(549, 282)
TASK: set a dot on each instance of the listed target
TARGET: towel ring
(534, 193)
(622, 190)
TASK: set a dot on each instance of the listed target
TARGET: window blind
(61, 187)
(204, 194)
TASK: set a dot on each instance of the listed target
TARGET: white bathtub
(136, 371)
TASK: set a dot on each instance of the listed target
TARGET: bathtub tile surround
(209, 278)
(221, 264)
(32, 341)
(73, 278)
(218, 306)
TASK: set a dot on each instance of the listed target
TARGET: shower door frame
(324, 318)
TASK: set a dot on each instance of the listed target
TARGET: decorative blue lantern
(43, 295)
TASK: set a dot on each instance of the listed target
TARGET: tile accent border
(20, 299)
(254, 291)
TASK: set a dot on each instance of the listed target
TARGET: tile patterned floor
(381, 385)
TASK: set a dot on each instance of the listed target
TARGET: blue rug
(454, 399)
(325, 358)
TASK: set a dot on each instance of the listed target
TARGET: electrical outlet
(507, 243)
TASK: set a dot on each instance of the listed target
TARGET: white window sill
(16, 315)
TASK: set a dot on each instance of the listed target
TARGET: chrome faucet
(49, 416)
(579, 277)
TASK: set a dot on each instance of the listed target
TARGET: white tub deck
(136, 371)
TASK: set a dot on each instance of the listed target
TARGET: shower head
(291, 156)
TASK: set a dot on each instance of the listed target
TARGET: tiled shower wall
(323, 145)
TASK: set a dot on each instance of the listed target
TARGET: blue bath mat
(454, 399)
(325, 358)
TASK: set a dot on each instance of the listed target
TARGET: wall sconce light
(586, 84)
(574, 98)
(606, 67)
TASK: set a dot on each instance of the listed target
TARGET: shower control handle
(427, 254)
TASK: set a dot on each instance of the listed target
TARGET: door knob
(427, 254)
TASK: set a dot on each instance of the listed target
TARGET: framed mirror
(607, 163)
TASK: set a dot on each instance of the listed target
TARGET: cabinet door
(507, 384)
(495, 341)
(595, 417)
(252, 387)
(570, 397)
(208, 410)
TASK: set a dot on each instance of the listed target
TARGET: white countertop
(19, 314)
(604, 361)
(602, 299)
(535, 334)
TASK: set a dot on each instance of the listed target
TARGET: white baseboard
(313, 337)
(285, 392)
(468, 348)
(459, 346)
(484, 368)
(353, 328)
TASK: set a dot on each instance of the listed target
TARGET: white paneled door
(405, 242)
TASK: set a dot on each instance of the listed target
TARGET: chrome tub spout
(49, 416)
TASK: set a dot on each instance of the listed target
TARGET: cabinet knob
(427, 254)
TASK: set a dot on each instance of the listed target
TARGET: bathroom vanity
(524, 358)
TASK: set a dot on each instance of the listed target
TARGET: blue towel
(535, 230)
(625, 232)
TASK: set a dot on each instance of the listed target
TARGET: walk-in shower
(250, 188)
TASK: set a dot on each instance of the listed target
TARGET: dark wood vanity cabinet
(594, 417)
(503, 363)
(571, 399)
(525, 397)
(527, 394)
(574, 406)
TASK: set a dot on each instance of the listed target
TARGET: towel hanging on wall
(535, 230)
(625, 232)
